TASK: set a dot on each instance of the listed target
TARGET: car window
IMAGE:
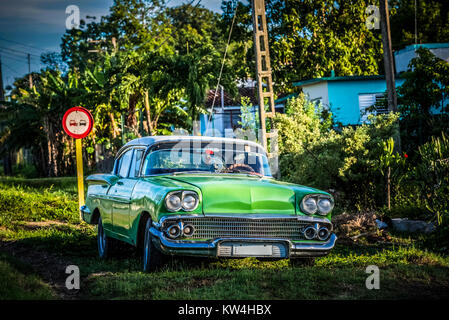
(124, 163)
(135, 165)
(205, 159)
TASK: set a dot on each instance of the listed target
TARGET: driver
(212, 161)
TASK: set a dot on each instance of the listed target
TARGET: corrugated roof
(413, 47)
(344, 78)
(236, 102)
(229, 100)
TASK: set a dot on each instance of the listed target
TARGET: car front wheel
(152, 257)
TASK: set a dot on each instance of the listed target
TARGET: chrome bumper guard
(210, 248)
(85, 213)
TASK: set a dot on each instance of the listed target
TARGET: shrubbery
(425, 187)
(344, 162)
(352, 163)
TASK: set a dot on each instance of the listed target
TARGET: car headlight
(308, 205)
(325, 205)
(189, 200)
(177, 200)
(320, 204)
(173, 201)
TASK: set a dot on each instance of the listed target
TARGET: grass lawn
(18, 281)
(40, 235)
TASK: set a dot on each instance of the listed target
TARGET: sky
(36, 26)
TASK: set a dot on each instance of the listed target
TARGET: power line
(18, 51)
(5, 55)
(14, 67)
(23, 44)
(13, 70)
(18, 56)
(19, 59)
(223, 62)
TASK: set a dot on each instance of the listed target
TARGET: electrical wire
(19, 56)
(5, 55)
(18, 51)
(223, 62)
(22, 44)
(11, 69)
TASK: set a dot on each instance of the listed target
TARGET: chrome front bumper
(211, 248)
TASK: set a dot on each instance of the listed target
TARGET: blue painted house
(348, 98)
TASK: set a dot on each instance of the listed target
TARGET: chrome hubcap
(145, 255)
(102, 240)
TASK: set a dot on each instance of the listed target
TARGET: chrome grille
(238, 227)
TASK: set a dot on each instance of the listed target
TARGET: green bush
(25, 171)
(344, 161)
(426, 186)
(352, 163)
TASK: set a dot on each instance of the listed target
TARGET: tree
(432, 22)
(422, 100)
(34, 116)
(150, 74)
(309, 39)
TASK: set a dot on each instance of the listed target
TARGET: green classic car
(205, 196)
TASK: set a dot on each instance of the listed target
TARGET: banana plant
(389, 165)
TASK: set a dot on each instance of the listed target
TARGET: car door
(120, 194)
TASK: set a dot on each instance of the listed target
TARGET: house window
(371, 103)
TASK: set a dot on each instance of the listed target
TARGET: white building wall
(318, 91)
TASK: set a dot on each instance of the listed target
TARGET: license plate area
(252, 249)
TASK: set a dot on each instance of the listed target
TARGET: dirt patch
(351, 228)
(33, 225)
(50, 267)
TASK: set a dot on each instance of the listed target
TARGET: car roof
(151, 140)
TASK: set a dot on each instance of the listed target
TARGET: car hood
(242, 194)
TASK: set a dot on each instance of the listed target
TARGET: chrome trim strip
(209, 248)
(244, 216)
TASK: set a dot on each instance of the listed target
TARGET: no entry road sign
(77, 122)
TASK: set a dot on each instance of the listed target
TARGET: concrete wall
(344, 97)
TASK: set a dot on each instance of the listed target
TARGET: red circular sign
(77, 122)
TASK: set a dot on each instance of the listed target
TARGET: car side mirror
(102, 179)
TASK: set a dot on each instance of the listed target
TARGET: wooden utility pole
(388, 56)
(2, 95)
(389, 65)
(30, 76)
(263, 71)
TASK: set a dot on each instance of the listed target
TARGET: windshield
(207, 160)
